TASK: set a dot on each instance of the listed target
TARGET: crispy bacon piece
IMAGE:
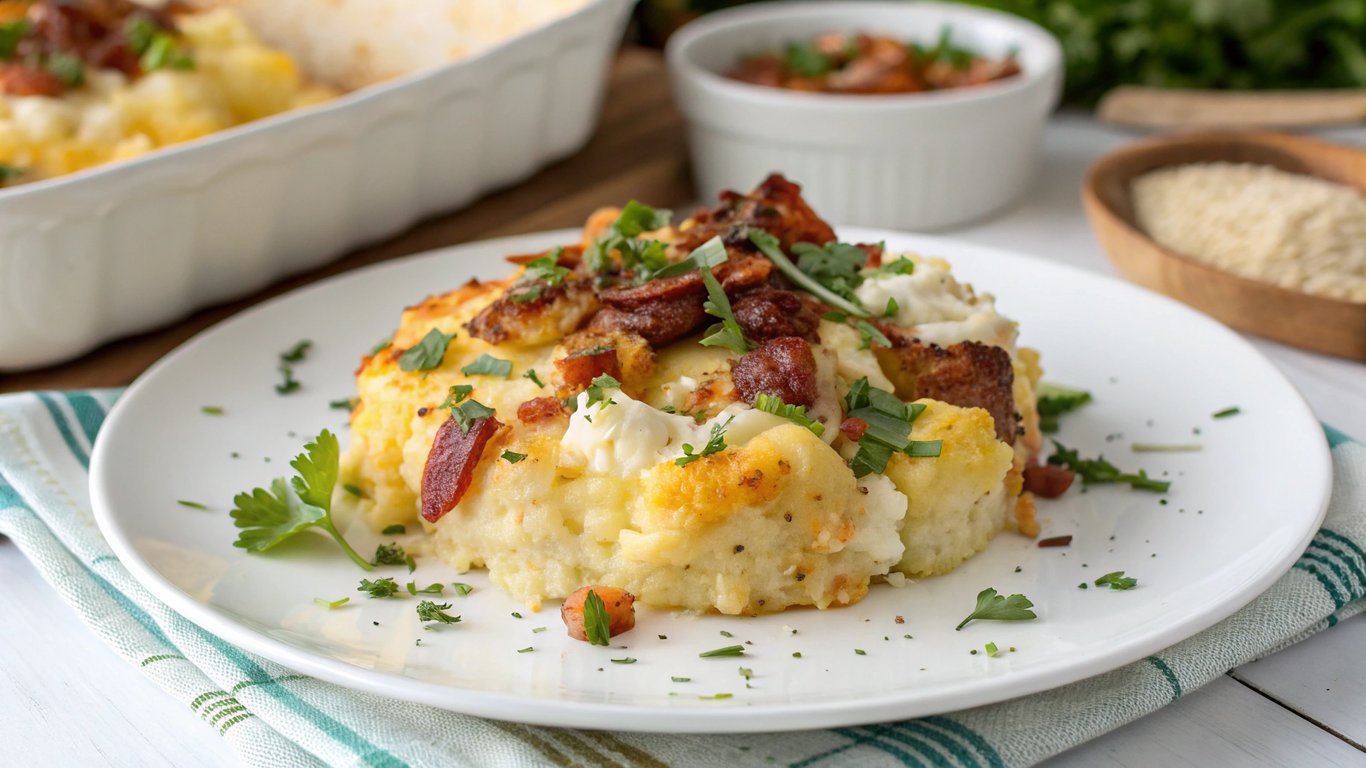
(539, 409)
(1048, 481)
(619, 604)
(20, 80)
(658, 323)
(775, 206)
(853, 428)
(579, 369)
(784, 367)
(450, 465)
(655, 292)
(770, 313)
(558, 310)
(968, 374)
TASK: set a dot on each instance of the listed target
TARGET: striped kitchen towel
(272, 717)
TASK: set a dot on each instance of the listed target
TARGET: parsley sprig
(1098, 471)
(715, 444)
(993, 607)
(1055, 400)
(1117, 581)
(768, 245)
(889, 428)
(639, 257)
(429, 611)
(728, 332)
(540, 274)
(268, 518)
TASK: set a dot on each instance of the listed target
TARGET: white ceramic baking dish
(903, 161)
(128, 246)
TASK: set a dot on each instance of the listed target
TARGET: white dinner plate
(1239, 512)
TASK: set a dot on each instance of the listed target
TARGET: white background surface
(66, 699)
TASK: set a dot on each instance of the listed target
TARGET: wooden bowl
(1330, 326)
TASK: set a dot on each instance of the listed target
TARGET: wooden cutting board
(1167, 108)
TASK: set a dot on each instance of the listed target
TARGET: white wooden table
(67, 700)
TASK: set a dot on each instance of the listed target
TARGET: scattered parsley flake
(715, 444)
(724, 633)
(1232, 410)
(428, 611)
(1165, 448)
(869, 333)
(681, 679)
(190, 504)
(461, 589)
(345, 404)
(428, 353)
(538, 630)
(1117, 581)
(470, 411)
(512, 457)
(430, 589)
(769, 246)
(729, 650)
(596, 625)
(385, 587)
(716, 696)
(993, 607)
(1054, 400)
(527, 649)
(795, 413)
(860, 652)
(728, 332)
(354, 490)
(746, 673)
(627, 660)
(1098, 471)
(296, 353)
(598, 388)
(331, 604)
(992, 650)
(516, 615)
(268, 517)
(397, 529)
(211, 410)
(488, 365)
(796, 654)
(535, 379)
(389, 554)
(381, 346)
(891, 309)
(289, 383)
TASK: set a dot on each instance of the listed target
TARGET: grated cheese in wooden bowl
(1299, 232)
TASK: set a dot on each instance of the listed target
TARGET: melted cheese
(940, 309)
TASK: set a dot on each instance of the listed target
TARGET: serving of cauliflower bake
(735, 413)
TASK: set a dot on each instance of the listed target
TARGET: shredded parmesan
(1296, 231)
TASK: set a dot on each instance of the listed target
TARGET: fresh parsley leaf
(899, 266)
(994, 607)
(794, 413)
(889, 427)
(456, 395)
(296, 353)
(803, 60)
(835, 316)
(430, 589)
(1117, 581)
(891, 309)
(268, 518)
(67, 68)
(746, 673)
(165, 53)
(860, 652)
(461, 588)
(597, 390)
(1098, 471)
(467, 412)
(354, 490)
(596, 625)
(428, 353)
(331, 604)
(531, 374)
(390, 554)
(345, 404)
(428, 611)
(705, 256)
(627, 660)
(512, 457)
(768, 245)
(715, 444)
(190, 504)
(397, 529)
(835, 265)
(1054, 400)
(1227, 412)
(488, 365)
(539, 274)
(729, 650)
(869, 334)
(11, 34)
(289, 383)
(385, 587)
(637, 256)
(527, 649)
(728, 332)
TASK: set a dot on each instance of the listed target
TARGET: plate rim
(747, 718)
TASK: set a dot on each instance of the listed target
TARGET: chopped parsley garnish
(1165, 447)
(994, 607)
(804, 60)
(1098, 471)
(211, 410)
(538, 630)
(728, 332)
(836, 266)
(428, 353)
(899, 266)
(531, 374)
(596, 625)
(397, 529)
(992, 650)
(11, 33)
(512, 457)
(467, 412)
(794, 413)
(190, 504)
(488, 365)
(627, 660)
(715, 444)
(461, 588)
(724, 633)
(597, 390)
(889, 428)
(544, 270)
(430, 589)
(768, 245)
(429, 611)
(681, 679)
(869, 333)
(385, 587)
(729, 650)
(835, 316)
(891, 309)
(344, 404)
(288, 383)
(717, 696)
(1054, 400)
(639, 257)
(354, 490)
(527, 649)
(796, 654)
(746, 673)
(10, 173)
(456, 395)
(389, 554)
(292, 506)
(1227, 412)
(155, 47)
(1117, 580)
(330, 604)
(296, 353)
(860, 652)
(67, 68)
(516, 615)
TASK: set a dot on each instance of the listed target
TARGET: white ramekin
(129, 246)
(905, 161)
